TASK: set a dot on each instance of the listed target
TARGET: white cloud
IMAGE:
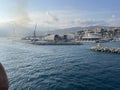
(114, 21)
(63, 19)
(113, 16)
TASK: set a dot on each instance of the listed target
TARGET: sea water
(75, 67)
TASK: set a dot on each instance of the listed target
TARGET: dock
(106, 49)
(58, 43)
(50, 42)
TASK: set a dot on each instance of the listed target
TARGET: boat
(103, 40)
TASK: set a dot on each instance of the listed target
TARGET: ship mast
(34, 34)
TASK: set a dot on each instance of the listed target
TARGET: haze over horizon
(57, 14)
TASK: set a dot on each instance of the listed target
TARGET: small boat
(103, 40)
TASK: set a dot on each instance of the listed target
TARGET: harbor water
(35, 67)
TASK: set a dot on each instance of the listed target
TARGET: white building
(49, 37)
(91, 37)
(61, 37)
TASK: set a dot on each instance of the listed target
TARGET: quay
(57, 43)
(106, 49)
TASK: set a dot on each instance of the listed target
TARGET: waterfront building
(91, 37)
(50, 37)
(61, 37)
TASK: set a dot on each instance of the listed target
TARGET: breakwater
(61, 43)
(106, 49)
(50, 42)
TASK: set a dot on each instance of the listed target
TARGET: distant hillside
(10, 30)
(75, 29)
(66, 30)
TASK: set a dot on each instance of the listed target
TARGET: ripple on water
(31, 67)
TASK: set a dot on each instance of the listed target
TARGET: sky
(53, 14)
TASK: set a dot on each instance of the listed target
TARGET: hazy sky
(60, 13)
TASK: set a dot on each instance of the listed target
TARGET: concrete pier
(106, 49)
(57, 43)
(50, 42)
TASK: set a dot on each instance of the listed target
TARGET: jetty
(99, 48)
(57, 43)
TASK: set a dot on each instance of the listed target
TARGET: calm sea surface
(34, 67)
